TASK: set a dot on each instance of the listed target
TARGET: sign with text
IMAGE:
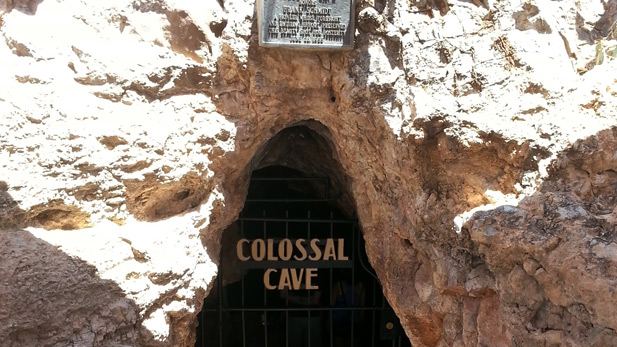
(295, 261)
(308, 24)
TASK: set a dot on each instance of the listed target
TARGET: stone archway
(307, 148)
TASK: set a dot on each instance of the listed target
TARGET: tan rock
(474, 140)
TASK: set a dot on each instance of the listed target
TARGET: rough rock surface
(475, 139)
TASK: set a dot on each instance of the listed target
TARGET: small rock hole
(218, 27)
(333, 99)
(183, 194)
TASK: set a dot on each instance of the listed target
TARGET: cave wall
(476, 141)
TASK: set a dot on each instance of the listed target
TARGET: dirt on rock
(476, 141)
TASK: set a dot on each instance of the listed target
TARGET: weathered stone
(476, 142)
(479, 281)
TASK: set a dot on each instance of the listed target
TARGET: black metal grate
(348, 309)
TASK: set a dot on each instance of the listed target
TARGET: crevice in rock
(218, 27)
(307, 148)
(528, 19)
(186, 37)
(427, 6)
(111, 142)
(151, 200)
(503, 45)
(191, 80)
(56, 214)
(504, 164)
(11, 215)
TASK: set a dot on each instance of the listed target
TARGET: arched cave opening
(293, 266)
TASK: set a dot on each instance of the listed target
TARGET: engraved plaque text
(306, 23)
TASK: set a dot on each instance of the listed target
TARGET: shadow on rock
(49, 298)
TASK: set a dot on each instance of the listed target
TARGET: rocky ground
(476, 140)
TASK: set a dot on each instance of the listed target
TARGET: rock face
(476, 140)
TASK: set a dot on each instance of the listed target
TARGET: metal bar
(286, 227)
(289, 178)
(220, 289)
(242, 313)
(308, 292)
(265, 322)
(203, 331)
(328, 199)
(374, 313)
(247, 317)
(373, 328)
(353, 278)
(297, 220)
(331, 286)
(276, 240)
(308, 335)
(294, 264)
(243, 318)
(286, 296)
(330, 322)
(301, 309)
(328, 188)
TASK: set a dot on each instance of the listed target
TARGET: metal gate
(299, 278)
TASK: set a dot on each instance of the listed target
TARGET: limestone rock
(474, 139)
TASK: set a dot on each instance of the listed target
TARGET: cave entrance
(294, 273)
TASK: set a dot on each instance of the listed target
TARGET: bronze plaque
(308, 24)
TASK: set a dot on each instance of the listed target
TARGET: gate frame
(356, 237)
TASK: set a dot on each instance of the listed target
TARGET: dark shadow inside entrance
(294, 272)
